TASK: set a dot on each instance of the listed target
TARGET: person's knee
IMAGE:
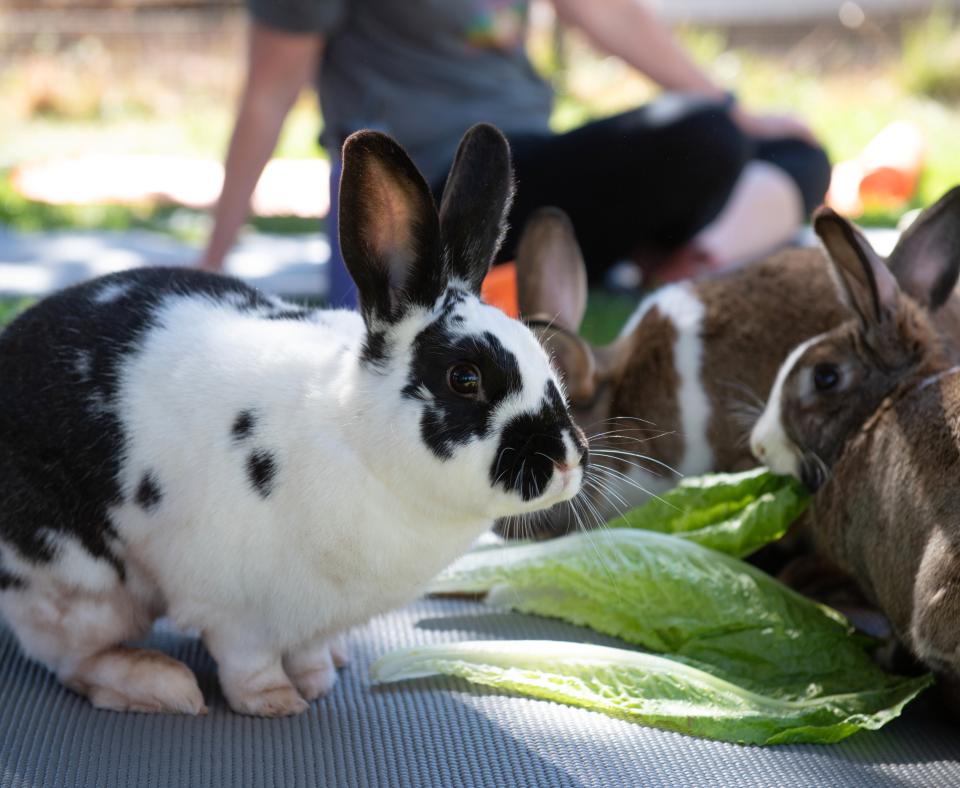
(806, 164)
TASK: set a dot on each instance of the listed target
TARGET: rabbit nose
(757, 448)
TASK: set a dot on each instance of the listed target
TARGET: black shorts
(649, 179)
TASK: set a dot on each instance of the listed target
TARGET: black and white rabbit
(176, 443)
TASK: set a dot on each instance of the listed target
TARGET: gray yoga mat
(431, 732)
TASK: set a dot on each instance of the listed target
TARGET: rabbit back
(66, 435)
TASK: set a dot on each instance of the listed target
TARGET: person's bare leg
(764, 211)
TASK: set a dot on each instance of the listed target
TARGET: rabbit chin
(563, 486)
(771, 445)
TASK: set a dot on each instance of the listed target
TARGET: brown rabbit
(869, 416)
(683, 383)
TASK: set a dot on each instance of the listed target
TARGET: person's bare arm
(629, 30)
(279, 64)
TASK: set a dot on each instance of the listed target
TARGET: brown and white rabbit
(174, 442)
(685, 379)
(868, 416)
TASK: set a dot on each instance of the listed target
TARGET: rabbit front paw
(313, 668)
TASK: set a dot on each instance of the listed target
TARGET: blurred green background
(164, 77)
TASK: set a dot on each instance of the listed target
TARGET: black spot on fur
(243, 425)
(61, 442)
(451, 300)
(292, 313)
(148, 495)
(8, 580)
(374, 349)
(449, 420)
(531, 443)
(262, 470)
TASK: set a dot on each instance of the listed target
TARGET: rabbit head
(829, 386)
(459, 400)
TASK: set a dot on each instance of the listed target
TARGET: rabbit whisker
(615, 454)
(622, 476)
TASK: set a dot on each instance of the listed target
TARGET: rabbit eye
(464, 379)
(825, 376)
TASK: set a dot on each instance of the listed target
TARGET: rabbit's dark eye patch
(461, 379)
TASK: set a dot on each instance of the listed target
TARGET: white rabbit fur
(272, 476)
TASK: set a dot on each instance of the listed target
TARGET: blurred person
(689, 181)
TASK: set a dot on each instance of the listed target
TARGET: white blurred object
(34, 264)
(287, 187)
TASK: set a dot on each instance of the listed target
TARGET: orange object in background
(884, 175)
(500, 288)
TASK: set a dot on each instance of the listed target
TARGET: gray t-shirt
(421, 70)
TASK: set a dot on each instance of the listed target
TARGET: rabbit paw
(131, 679)
(280, 700)
(314, 669)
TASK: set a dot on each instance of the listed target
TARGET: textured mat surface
(438, 732)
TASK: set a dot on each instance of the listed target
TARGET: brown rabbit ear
(865, 284)
(926, 259)
(551, 274)
(572, 357)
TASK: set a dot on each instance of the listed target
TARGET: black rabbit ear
(389, 233)
(926, 259)
(865, 284)
(475, 204)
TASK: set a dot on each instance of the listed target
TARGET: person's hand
(769, 126)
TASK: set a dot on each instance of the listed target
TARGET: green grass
(11, 307)
(606, 314)
(846, 102)
(19, 213)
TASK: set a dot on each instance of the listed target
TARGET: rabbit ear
(926, 259)
(551, 274)
(476, 200)
(552, 286)
(389, 234)
(865, 284)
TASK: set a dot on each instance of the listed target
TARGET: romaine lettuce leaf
(652, 690)
(743, 658)
(736, 513)
(673, 596)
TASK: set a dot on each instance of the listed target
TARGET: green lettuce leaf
(742, 657)
(651, 689)
(736, 513)
(673, 596)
